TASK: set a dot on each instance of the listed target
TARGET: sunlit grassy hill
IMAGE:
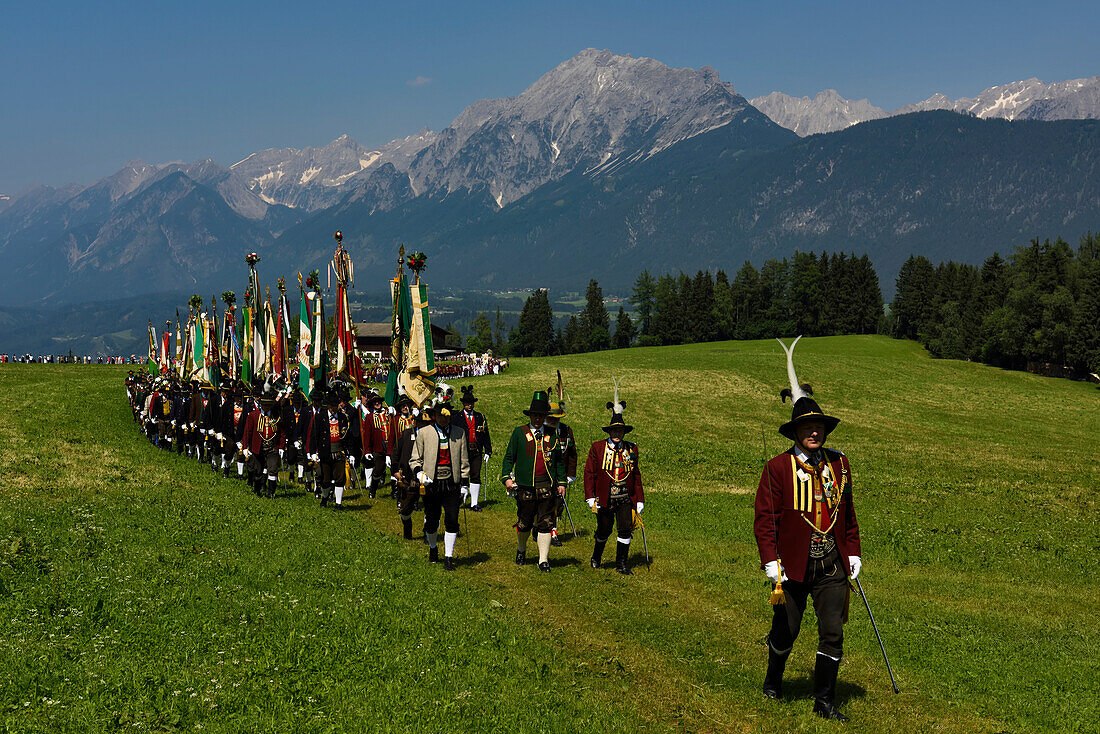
(131, 579)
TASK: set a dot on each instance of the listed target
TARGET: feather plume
(618, 405)
(796, 390)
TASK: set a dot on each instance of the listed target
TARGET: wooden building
(372, 340)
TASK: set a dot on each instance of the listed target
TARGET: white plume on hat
(796, 391)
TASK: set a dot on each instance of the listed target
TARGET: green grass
(131, 579)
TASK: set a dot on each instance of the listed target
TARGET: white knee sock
(301, 470)
(368, 473)
(240, 468)
(339, 495)
(624, 541)
(449, 544)
(544, 547)
(475, 489)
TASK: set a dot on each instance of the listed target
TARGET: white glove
(280, 453)
(220, 437)
(315, 457)
(424, 478)
(771, 568)
(246, 453)
(387, 462)
(297, 444)
(351, 459)
(640, 508)
(239, 447)
(485, 457)
(591, 502)
(570, 480)
(855, 564)
(173, 424)
(391, 410)
(465, 491)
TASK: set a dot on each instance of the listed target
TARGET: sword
(875, 627)
(569, 515)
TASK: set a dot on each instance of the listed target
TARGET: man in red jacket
(613, 488)
(808, 538)
(263, 442)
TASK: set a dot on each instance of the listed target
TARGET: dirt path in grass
(688, 658)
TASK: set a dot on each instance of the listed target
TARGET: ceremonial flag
(420, 355)
(305, 345)
(165, 348)
(229, 356)
(179, 342)
(198, 362)
(151, 361)
(188, 348)
(270, 337)
(320, 348)
(213, 351)
(246, 343)
(399, 335)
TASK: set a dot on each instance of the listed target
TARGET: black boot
(825, 671)
(433, 555)
(773, 679)
(448, 563)
(407, 528)
(622, 550)
(597, 553)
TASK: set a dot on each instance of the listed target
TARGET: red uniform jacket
(783, 500)
(600, 466)
(263, 434)
(379, 433)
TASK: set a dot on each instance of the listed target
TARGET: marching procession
(233, 401)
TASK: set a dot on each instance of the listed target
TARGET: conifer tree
(624, 330)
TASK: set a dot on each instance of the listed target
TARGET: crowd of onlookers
(70, 359)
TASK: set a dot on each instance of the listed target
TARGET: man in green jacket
(533, 471)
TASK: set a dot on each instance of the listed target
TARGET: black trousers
(826, 583)
(441, 497)
(620, 513)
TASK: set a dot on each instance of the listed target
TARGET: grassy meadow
(139, 591)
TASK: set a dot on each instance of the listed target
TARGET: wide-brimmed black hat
(375, 398)
(403, 401)
(618, 422)
(332, 397)
(807, 409)
(540, 403)
(468, 395)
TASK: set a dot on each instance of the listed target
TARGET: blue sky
(87, 86)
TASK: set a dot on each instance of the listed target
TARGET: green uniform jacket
(519, 457)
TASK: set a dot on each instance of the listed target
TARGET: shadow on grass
(472, 560)
(801, 688)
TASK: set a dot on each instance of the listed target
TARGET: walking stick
(466, 525)
(484, 465)
(875, 627)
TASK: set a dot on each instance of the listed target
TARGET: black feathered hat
(805, 408)
(468, 395)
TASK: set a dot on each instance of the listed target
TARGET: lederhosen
(618, 464)
(535, 505)
(825, 580)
